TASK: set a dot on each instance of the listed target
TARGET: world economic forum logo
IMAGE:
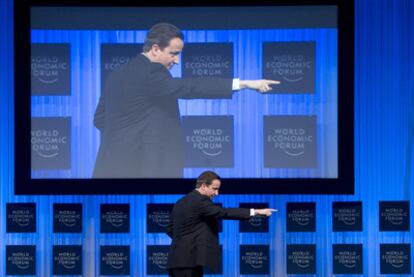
(67, 260)
(208, 141)
(21, 217)
(395, 258)
(158, 217)
(67, 218)
(293, 63)
(254, 259)
(207, 60)
(20, 259)
(115, 55)
(50, 69)
(115, 218)
(255, 224)
(301, 259)
(394, 215)
(301, 217)
(347, 258)
(290, 141)
(115, 260)
(50, 142)
(157, 258)
(347, 216)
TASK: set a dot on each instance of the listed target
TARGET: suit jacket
(194, 232)
(139, 120)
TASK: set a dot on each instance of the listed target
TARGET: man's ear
(155, 49)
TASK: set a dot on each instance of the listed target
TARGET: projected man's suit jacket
(139, 120)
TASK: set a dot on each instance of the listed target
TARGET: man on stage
(193, 228)
(138, 114)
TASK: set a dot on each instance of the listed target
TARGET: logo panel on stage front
(346, 216)
(256, 224)
(301, 259)
(115, 218)
(254, 260)
(115, 260)
(395, 258)
(394, 215)
(301, 217)
(67, 218)
(20, 260)
(67, 260)
(347, 258)
(157, 258)
(158, 217)
(21, 217)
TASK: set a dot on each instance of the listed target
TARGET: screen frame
(25, 185)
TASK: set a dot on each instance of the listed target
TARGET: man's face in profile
(169, 56)
(212, 190)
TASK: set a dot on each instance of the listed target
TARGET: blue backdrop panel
(247, 108)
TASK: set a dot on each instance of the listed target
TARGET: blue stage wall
(384, 116)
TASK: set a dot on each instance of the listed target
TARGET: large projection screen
(94, 115)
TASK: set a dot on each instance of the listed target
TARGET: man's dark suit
(139, 120)
(194, 231)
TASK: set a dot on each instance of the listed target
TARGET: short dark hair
(207, 177)
(161, 34)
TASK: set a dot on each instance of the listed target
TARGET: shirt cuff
(252, 212)
(236, 84)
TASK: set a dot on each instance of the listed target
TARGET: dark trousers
(186, 272)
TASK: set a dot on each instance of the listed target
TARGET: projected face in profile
(169, 56)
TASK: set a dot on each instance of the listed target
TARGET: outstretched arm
(259, 85)
(264, 212)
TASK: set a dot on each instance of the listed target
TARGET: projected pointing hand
(259, 85)
(264, 212)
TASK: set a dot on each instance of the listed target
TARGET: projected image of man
(138, 114)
